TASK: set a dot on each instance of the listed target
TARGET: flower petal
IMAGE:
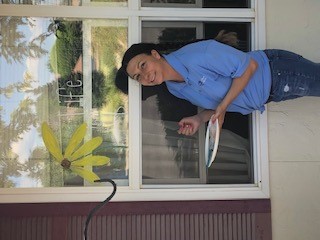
(51, 142)
(86, 148)
(85, 174)
(91, 161)
(75, 140)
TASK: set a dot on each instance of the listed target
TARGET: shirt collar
(177, 65)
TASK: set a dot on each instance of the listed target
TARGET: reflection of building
(119, 128)
(78, 66)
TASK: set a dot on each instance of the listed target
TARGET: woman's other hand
(219, 114)
(189, 125)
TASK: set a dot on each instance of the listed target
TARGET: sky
(13, 73)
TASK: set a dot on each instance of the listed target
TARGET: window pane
(168, 157)
(67, 2)
(60, 71)
(226, 3)
(197, 3)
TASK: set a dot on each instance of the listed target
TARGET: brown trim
(263, 226)
(133, 208)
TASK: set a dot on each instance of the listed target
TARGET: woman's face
(146, 69)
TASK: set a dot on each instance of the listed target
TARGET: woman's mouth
(153, 78)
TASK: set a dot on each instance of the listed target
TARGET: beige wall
(294, 127)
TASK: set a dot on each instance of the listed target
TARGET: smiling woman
(151, 70)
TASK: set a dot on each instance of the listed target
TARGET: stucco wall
(294, 127)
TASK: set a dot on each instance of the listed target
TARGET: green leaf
(86, 148)
(75, 140)
(85, 174)
(91, 161)
(51, 142)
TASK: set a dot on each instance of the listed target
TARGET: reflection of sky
(37, 67)
(14, 73)
(25, 181)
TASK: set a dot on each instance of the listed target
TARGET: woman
(220, 78)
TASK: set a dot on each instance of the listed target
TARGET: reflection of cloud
(32, 63)
(37, 67)
(32, 68)
(24, 147)
(39, 26)
(26, 182)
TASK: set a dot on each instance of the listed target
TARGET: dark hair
(121, 80)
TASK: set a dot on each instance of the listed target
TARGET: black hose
(96, 208)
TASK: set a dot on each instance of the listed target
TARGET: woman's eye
(143, 65)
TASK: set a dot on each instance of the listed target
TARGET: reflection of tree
(41, 169)
(15, 47)
(72, 86)
(27, 114)
(53, 28)
(67, 48)
(29, 2)
(21, 120)
(9, 164)
(9, 168)
(13, 42)
(172, 35)
(108, 45)
(24, 86)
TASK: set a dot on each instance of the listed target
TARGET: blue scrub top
(208, 68)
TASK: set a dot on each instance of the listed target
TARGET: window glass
(66, 2)
(60, 71)
(198, 3)
(168, 157)
(226, 3)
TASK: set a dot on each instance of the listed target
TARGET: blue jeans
(292, 76)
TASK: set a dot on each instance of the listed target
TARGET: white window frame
(135, 191)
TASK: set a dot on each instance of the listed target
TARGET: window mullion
(134, 4)
(82, 12)
(135, 149)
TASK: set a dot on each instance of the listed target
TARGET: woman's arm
(238, 84)
(190, 125)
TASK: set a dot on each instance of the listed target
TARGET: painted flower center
(65, 163)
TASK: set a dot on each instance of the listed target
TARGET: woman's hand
(219, 114)
(189, 125)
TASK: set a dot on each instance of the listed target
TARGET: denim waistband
(267, 52)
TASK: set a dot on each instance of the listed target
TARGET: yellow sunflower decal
(75, 157)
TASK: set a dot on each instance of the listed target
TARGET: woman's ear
(155, 54)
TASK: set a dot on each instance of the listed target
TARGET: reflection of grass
(106, 115)
(108, 45)
(106, 48)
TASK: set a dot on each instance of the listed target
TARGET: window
(60, 70)
(168, 157)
